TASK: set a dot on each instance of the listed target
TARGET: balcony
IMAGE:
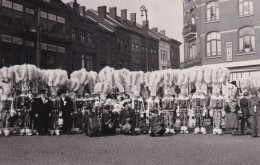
(192, 62)
(189, 31)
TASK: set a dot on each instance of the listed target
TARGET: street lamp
(144, 11)
(38, 29)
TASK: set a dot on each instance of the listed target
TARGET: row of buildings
(222, 33)
(52, 34)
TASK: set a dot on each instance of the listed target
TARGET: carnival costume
(7, 110)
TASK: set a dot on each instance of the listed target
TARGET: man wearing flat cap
(67, 110)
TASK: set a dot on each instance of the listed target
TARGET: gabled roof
(111, 24)
(102, 22)
(160, 36)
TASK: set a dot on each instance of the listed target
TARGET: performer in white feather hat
(168, 101)
(6, 109)
(198, 101)
(183, 101)
(217, 101)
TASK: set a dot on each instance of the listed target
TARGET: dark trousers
(255, 125)
(244, 121)
(67, 124)
(43, 125)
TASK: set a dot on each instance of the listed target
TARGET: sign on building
(6, 38)
(229, 51)
(6, 3)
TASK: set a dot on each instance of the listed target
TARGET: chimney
(155, 29)
(133, 19)
(83, 10)
(113, 12)
(124, 15)
(162, 32)
(145, 24)
(102, 11)
(75, 7)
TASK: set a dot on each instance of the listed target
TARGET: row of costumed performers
(37, 101)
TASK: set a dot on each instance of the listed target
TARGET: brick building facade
(223, 33)
(52, 34)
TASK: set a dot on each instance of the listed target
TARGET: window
(12, 13)
(213, 44)
(89, 63)
(7, 16)
(89, 39)
(120, 45)
(82, 37)
(133, 47)
(82, 61)
(18, 15)
(73, 34)
(193, 51)
(246, 7)
(213, 11)
(29, 18)
(246, 40)
(44, 21)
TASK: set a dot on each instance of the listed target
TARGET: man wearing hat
(43, 109)
(255, 113)
(244, 106)
(67, 110)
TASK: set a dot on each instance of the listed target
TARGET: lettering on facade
(17, 7)
(229, 51)
(6, 3)
(44, 46)
(52, 48)
(52, 17)
(29, 11)
(17, 40)
(61, 49)
(43, 14)
(60, 19)
(6, 38)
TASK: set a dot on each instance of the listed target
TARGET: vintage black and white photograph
(129, 82)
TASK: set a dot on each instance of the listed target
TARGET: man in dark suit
(245, 105)
(67, 110)
(43, 109)
(127, 115)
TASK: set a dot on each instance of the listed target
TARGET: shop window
(246, 7)
(6, 16)
(212, 11)
(246, 40)
(213, 44)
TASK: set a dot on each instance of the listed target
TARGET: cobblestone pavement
(140, 150)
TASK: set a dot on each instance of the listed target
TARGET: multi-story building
(164, 49)
(82, 38)
(22, 21)
(129, 40)
(169, 50)
(175, 53)
(223, 33)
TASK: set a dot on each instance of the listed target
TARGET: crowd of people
(47, 102)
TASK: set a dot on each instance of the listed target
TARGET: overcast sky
(164, 14)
